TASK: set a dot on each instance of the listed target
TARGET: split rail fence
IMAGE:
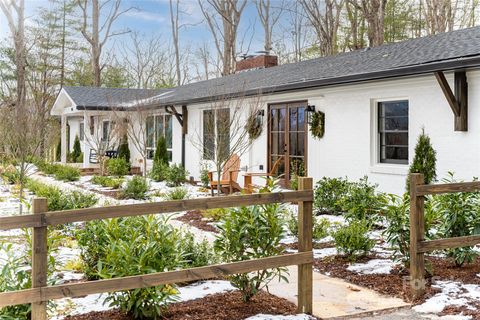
(40, 292)
(418, 245)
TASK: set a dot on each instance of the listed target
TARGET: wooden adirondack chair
(228, 182)
(248, 176)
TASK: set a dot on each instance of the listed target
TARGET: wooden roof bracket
(458, 98)
(182, 118)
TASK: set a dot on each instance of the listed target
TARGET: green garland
(253, 127)
(317, 126)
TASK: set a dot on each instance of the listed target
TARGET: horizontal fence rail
(81, 215)
(40, 293)
(418, 245)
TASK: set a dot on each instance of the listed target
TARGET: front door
(287, 140)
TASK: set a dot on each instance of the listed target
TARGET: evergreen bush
(161, 153)
(328, 193)
(176, 175)
(425, 160)
(159, 171)
(123, 151)
(352, 239)
(77, 151)
(136, 188)
(118, 167)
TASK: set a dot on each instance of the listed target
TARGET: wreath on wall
(317, 126)
(254, 126)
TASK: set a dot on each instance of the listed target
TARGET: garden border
(40, 219)
(418, 245)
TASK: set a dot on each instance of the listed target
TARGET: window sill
(394, 169)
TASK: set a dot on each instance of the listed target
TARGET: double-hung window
(157, 126)
(81, 131)
(105, 131)
(393, 131)
(216, 133)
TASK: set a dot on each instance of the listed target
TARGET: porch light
(310, 110)
(259, 117)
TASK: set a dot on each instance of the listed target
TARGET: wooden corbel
(182, 118)
(457, 98)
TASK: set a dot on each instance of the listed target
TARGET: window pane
(150, 132)
(396, 139)
(281, 143)
(208, 134)
(301, 119)
(274, 143)
(293, 119)
(281, 119)
(397, 123)
(105, 130)
(394, 108)
(159, 130)
(293, 143)
(394, 153)
(301, 144)
(82, 131)
(274, 119)
(168, 131)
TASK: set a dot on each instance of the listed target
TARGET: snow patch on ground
(326, 252)
(375, 266)
(452, 294)
(278, 317)
(201, 289)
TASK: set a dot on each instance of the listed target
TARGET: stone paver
(334, 298)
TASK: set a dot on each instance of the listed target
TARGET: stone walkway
(336, 299)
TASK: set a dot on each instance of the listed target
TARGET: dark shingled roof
(446, 51)
(104, 98)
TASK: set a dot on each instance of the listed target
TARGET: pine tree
(77, 151)
(58, 152)
(161, 154)
(425, 159)
(123, 150)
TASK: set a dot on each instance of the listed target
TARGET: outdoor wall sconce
(310, 110)
(260, 115)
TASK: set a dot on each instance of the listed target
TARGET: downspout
(184, 131)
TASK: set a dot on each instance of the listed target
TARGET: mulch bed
(220, 306)
(396, 283)
(195, 218)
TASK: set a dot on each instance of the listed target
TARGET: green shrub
(161, 153)
(352, 239)
(178, 193)
(118, 167)
(123, 150)
(214, 214)
(66, 173)
(292, 223)
(250, 233)
(362, 202)
(159, 172)
(136, 188)
(321, 228)
(204, 175)
(328, 194)
(107, 182)
(197, 254)
(425, 160)
(58, 151)
(10, 174)
(76, 152)
(459, 216)
(59, 200)
(133, 246)
(176, 175)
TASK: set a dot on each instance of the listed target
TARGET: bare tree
(144, 59)
(324, 16)
(374, 13)
(224, 132)
(225, 31)
(268, 17)
(97, 32)
(174, 17)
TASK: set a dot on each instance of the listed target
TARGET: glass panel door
(287, 140)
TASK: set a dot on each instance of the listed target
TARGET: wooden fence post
(39, 259)
(305, 230)
(417, 234)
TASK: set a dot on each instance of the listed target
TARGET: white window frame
(81, 131)
(375, 165)
(151, 150)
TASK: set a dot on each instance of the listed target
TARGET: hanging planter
(317, 124)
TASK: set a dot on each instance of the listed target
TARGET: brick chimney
(256, 62)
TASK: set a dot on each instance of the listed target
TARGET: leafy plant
(136, 188)
(362, 202)
(214, 214)
(59, 200)
(352, 239)
(118, 167)
(10, 174)
(133, 246)
(176, 175)
(123, 150)
(197, 254)
(328, 193)
(107, 182)
(159, 171)
(321, 228)
(204, 175)
(76, 152)
(292, 223)
(161, 153)
(459, 216)
(66, 173)
(178, 193)
(250, 233)
(425, 159)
